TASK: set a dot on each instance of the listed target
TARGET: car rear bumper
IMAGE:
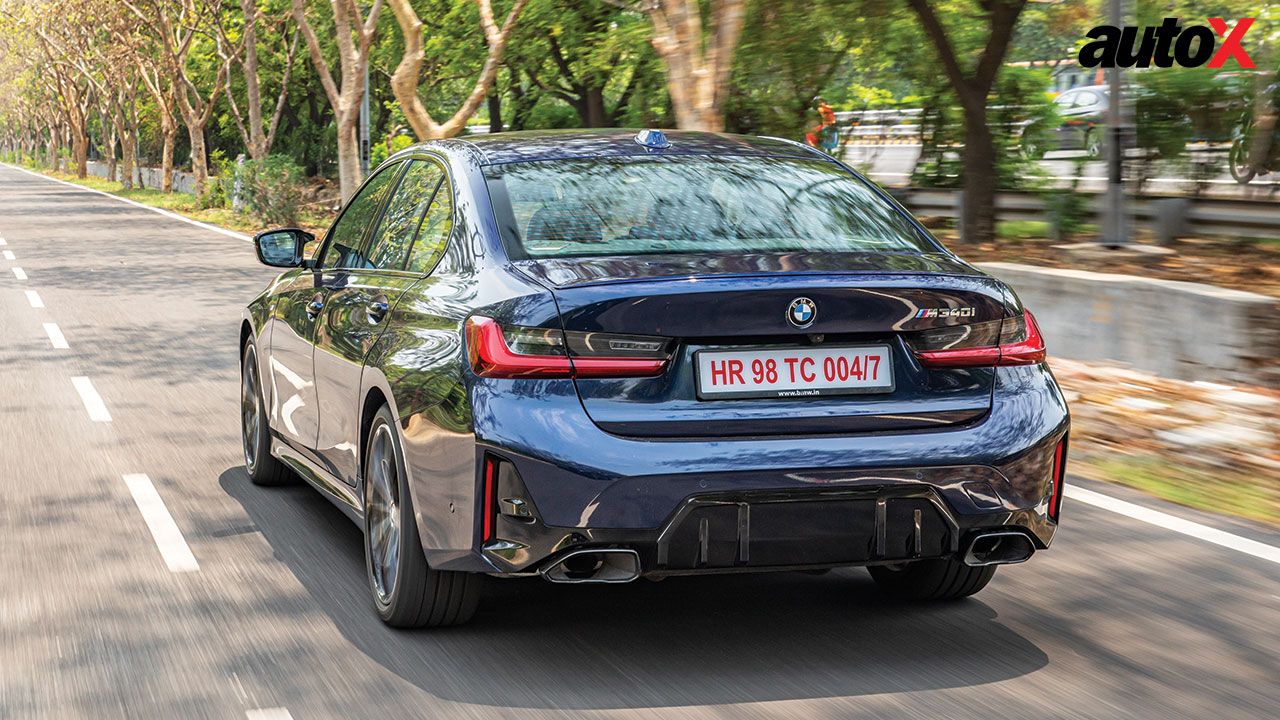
(757, 504)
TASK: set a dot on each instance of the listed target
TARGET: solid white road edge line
(173, 548)
(91, 399)
(19, 273)
(33, 297)
(1174, 523)
(166, 213)
(56, 338)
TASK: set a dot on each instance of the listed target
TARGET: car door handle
(315, 306)
(378, 309)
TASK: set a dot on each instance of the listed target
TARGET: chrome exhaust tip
(1005, 547)
(603, 565)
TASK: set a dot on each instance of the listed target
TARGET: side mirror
(282, 247)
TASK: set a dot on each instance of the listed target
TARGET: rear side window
(434, 233)
(343, 242)
(399, 225)
(674, 205)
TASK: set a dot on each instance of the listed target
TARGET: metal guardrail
(1204, 216)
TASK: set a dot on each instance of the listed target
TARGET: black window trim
(447, 179)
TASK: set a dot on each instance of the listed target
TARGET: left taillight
(1010, 341)
(521, 352)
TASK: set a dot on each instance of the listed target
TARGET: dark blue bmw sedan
(600, 356)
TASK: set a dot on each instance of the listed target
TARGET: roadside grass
(1022, 229)
(1226, 491)
(1033, 229)
(186, 205)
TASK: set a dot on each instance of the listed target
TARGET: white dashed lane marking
(20, 273)
(276, 713)
(56, 338)
(1174, 523)
(33, 297)
(173, 547)
(91, 399)
(8, 255)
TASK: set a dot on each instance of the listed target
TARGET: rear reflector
(543, 353)
(1020, 343)
(1059, 475)
(490, 507)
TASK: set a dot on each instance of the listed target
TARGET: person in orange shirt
(825, 135)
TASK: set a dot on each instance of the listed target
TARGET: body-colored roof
(530, 145)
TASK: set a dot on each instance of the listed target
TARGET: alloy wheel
(250, 409)
(382, 509)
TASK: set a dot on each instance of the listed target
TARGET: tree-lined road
(144, 577)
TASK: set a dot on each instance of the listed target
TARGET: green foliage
(388, 147)
(1068, 207)
(270, 189)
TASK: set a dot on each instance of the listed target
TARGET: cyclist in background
(825, 135)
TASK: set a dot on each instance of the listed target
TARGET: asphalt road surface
(142, 576)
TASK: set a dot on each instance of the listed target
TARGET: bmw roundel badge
(802, 312)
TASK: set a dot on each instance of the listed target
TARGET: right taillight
(521, 352)
(1010, 341)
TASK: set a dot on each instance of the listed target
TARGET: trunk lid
(715, 303)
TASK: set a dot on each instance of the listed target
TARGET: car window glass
(644, 205)
(343, 249)
(399, 224)
(433, 235)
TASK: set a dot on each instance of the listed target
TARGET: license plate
(794, 372)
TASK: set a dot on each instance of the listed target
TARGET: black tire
(255, 434)
(947, 579)
(1238, 161)
(415, 595)
(1092, 145)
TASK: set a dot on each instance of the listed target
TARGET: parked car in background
(1082, 116)
(600, 356)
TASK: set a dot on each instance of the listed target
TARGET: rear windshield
(673, 205)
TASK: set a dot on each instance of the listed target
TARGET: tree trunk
(257, 138)
(593, 103)
(199, 158)
(80, 152)
(126, 160)
(698, 68)
(348, 155)
(977, 222)
(169, 131)
(110, 148)
(495, 111)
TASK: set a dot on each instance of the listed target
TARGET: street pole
(1115, 228)
(364, 125)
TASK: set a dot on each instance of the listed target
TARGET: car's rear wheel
(946, 579)
(406, 591)
(263, 469)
